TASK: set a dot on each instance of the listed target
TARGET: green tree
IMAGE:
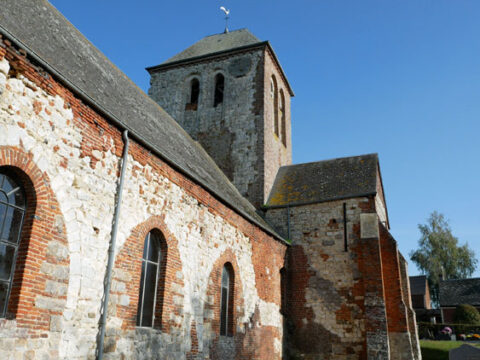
(467, 314)
(440, 255)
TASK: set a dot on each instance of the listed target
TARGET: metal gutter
(111, 250)
(105, 113)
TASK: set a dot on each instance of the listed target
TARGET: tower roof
(216, 43)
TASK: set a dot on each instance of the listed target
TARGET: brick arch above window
(44, 231)
(214, 292)
(127, 275)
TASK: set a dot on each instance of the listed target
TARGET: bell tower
(229, 92)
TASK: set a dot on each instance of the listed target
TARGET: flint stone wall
(80, 153)
(333, 311)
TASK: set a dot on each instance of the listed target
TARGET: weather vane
(227, 12)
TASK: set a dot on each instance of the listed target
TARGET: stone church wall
(336, 306)
(345, 302)
(71, 157)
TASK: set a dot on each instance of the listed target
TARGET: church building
(174, 225)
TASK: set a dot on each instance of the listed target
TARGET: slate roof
(457, 292)
(418, 285)
(61, 49)
(327, 180)
(217, 43)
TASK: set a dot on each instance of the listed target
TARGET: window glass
(149, 294)
(149, 280)
(3, 297)
(15, 197)
(3, 197)
(7, 254)
(8, 185)
(7, 224)
(153, 248)
(16, 226)
(140, 295)
(226, 308)
(12, 210)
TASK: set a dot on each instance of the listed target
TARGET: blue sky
(400, 78)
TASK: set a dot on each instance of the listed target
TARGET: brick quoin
(396, 316)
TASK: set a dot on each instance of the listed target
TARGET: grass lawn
(438, 350)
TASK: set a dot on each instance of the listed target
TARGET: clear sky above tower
(400, 78)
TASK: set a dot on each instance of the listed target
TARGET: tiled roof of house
(457, 292)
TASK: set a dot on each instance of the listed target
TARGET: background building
(457, 292)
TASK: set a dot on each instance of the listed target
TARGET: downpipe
(111, 250)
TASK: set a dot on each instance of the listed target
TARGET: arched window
(149, 281)
(12, 212)
(283, 122)
(194, 94)
(274, 97)
(227, 301)
(219, 87)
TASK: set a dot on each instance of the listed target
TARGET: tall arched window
(283, 122)
(12, 212)
(219, 87)
(149, 281)
(194, 94)
(227, 301)
(274, 97)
